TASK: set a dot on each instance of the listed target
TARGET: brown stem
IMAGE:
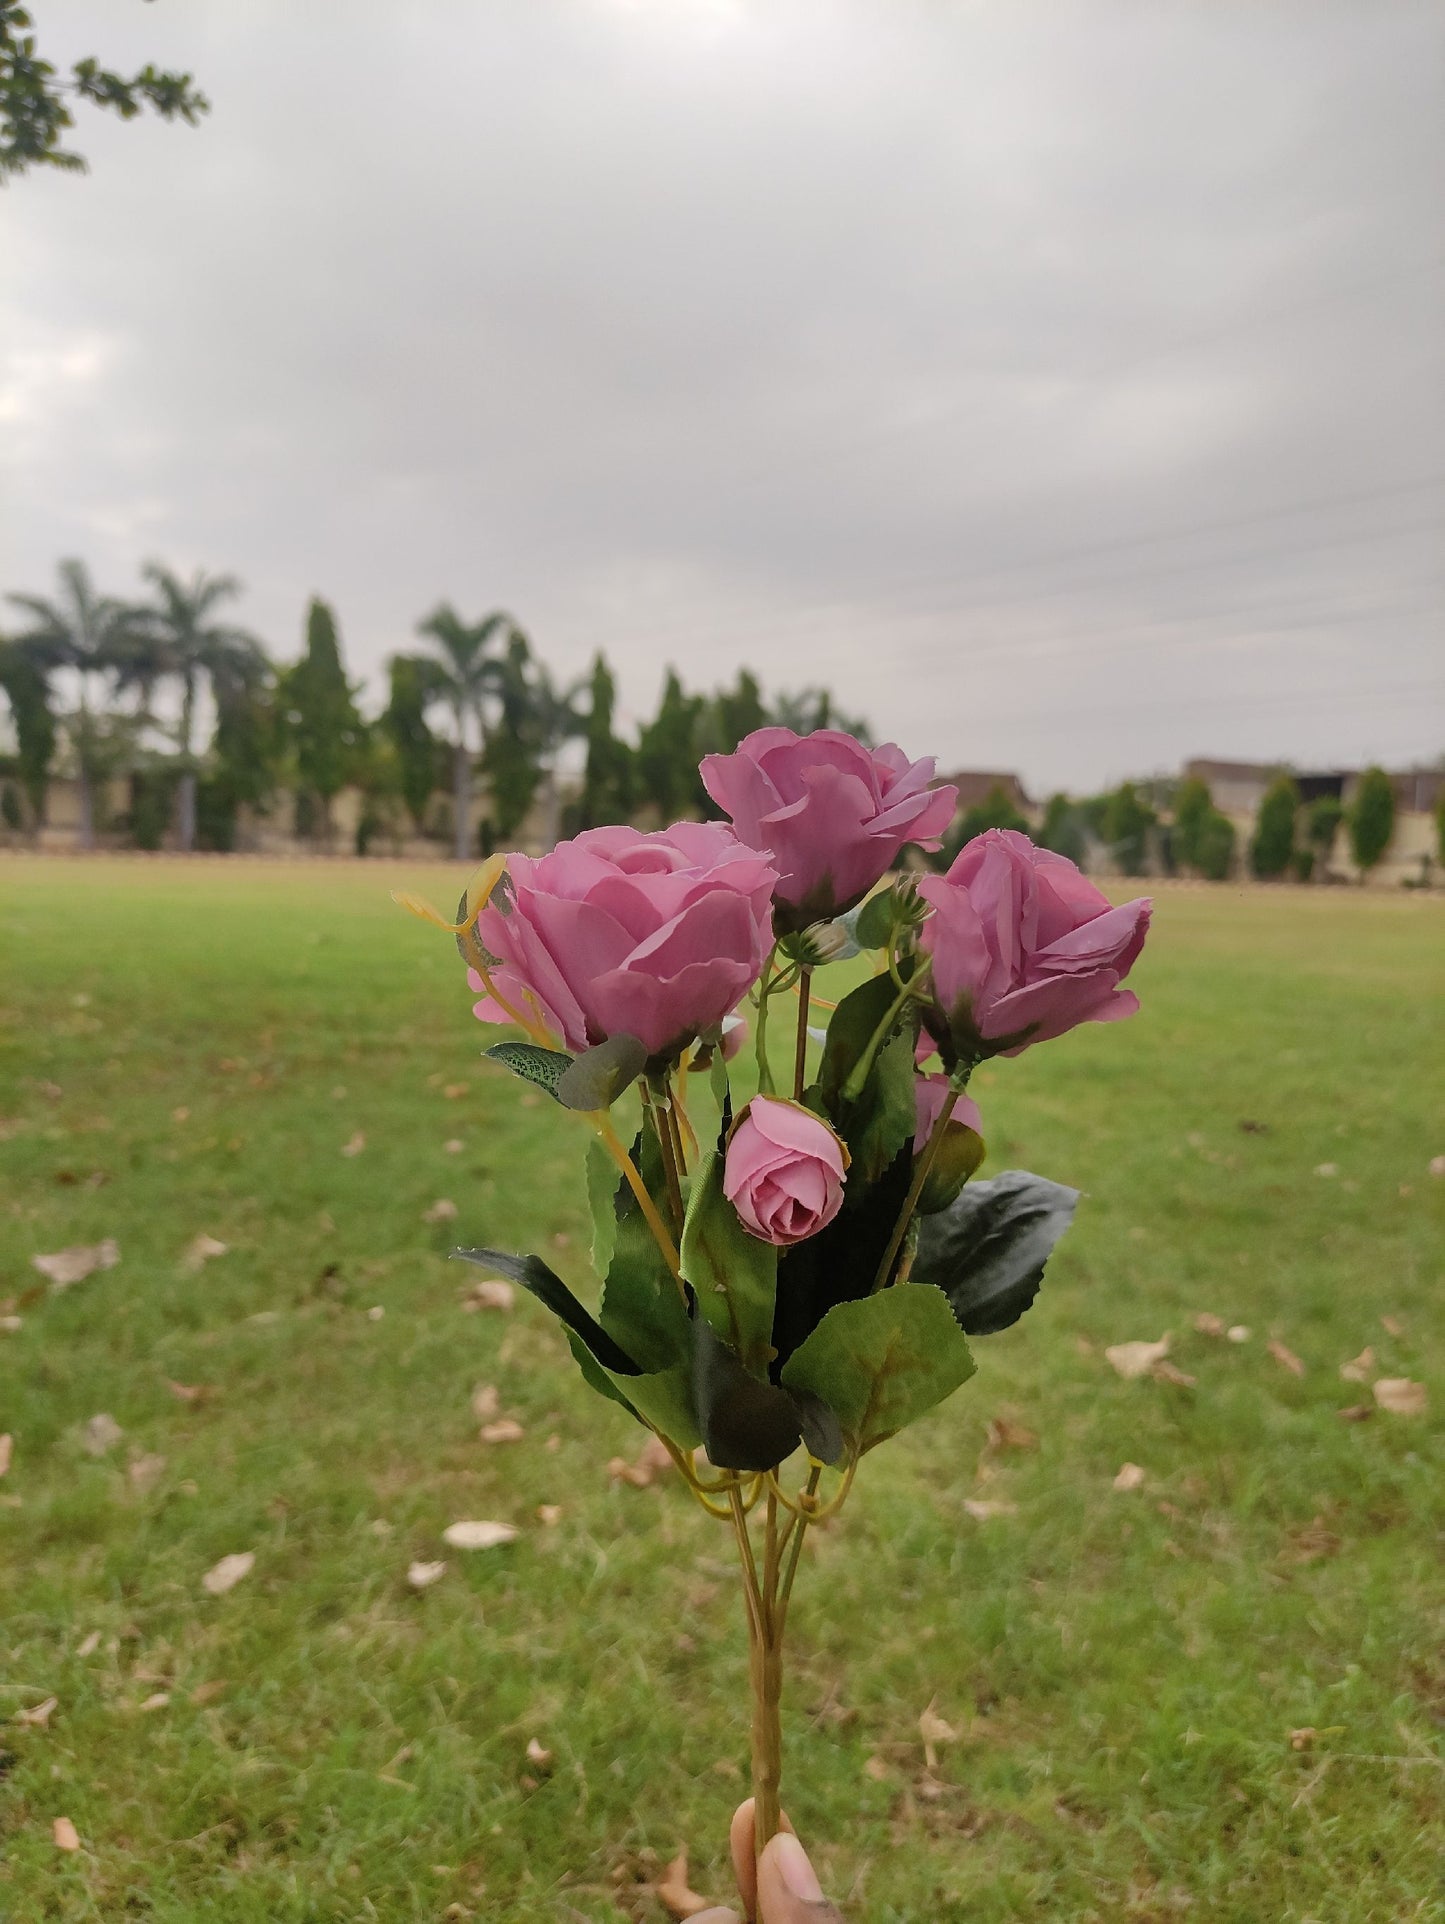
(800, 1053)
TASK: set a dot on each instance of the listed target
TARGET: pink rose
(832, 813)
(930, 1093)
(1024, 947)
(784, 1171)
(621, 933)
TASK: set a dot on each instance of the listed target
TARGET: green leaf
(597, 1377)
(642, 1308)
(533, 1274)
(882, 1361)
(874, 922)
(602, 1186)
(841, 1261)
(597, 1078)
(886, 1114)
(987, 1250)
(664, 1399)
(734, 1275)
(544, 1067)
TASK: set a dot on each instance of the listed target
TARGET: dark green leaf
(602, 1186)
(746, 1424)
(544, 1067)
(840, 1262)
(533, 1274)
(885, 1117)
(595, 1080)
(987, 1250)
(879, 1363)
(735, 1275)
(597, 1377)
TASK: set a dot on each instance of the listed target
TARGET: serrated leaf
(602, 1186)
(987, 1250)
(597, 1078)
(883, 1116)
(543, 1067)
(734, 1275)
(534, 1275)
(880, 1362)
(746, 1424)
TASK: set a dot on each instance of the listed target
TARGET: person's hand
(778, 1888)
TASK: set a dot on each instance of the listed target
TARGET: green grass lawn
(187, 1050)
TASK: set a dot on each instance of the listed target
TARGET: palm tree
(88, 634)
(467, 675)
(192, 647)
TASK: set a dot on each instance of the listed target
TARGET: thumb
(788, 1888)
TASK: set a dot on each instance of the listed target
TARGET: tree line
(472, 717)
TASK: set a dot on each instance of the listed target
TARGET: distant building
(1238, 788)
(976, 786)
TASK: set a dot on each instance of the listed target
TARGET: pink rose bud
(784, 1171)
(930, 1093)
(620, 933)
(1024, 947)
(832, 814)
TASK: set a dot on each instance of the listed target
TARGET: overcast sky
(1063, 385)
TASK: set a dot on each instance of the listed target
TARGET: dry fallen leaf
(156, 1701)
(537, 1753)
(181, 1114)
(1437, 1165)
(1209, 1325)
(1356, 1413)
(443, 1210)
(88, 1645)
(1238, 1333)
(653, 1461)
(1400, 1396)
(982, 1508)
(186, 1392)
(102, 1433)
(1285, 1357)
(1360, 1368)
(356, 1144)
(1130, 1477)
(549, 1514)
(933, 1729)
(454, 1091)
(226, 1574)
(506, 1429)
(673, 1892)
(7, 1451)
(1327, 1169)
(1392, 1326)
(207, 1693)
(38, 1715)
(453, 1147)
(67, 1838)
(478, 1536)
(485, 1402)
(491, 1293)
(1167, 1372)
(1303, 1738)
(421, 1576)
(200, 1250)
(146, 1469)
(73, 1265)
(878, 1769)
(1137, 1359)
(1005, 1434)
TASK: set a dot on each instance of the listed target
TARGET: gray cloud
(1064, 385)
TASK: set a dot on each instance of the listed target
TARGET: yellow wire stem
(612, 1143)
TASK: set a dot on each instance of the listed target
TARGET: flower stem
(800, 1052)
(765, 1666)
(862, 1068)
(615, 1148)
(760, 1030)
(654, 1101)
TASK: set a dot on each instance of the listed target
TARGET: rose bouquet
(802, 1273)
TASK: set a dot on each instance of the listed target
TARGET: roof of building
(975, 785)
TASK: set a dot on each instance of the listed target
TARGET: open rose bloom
(791, 1245)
